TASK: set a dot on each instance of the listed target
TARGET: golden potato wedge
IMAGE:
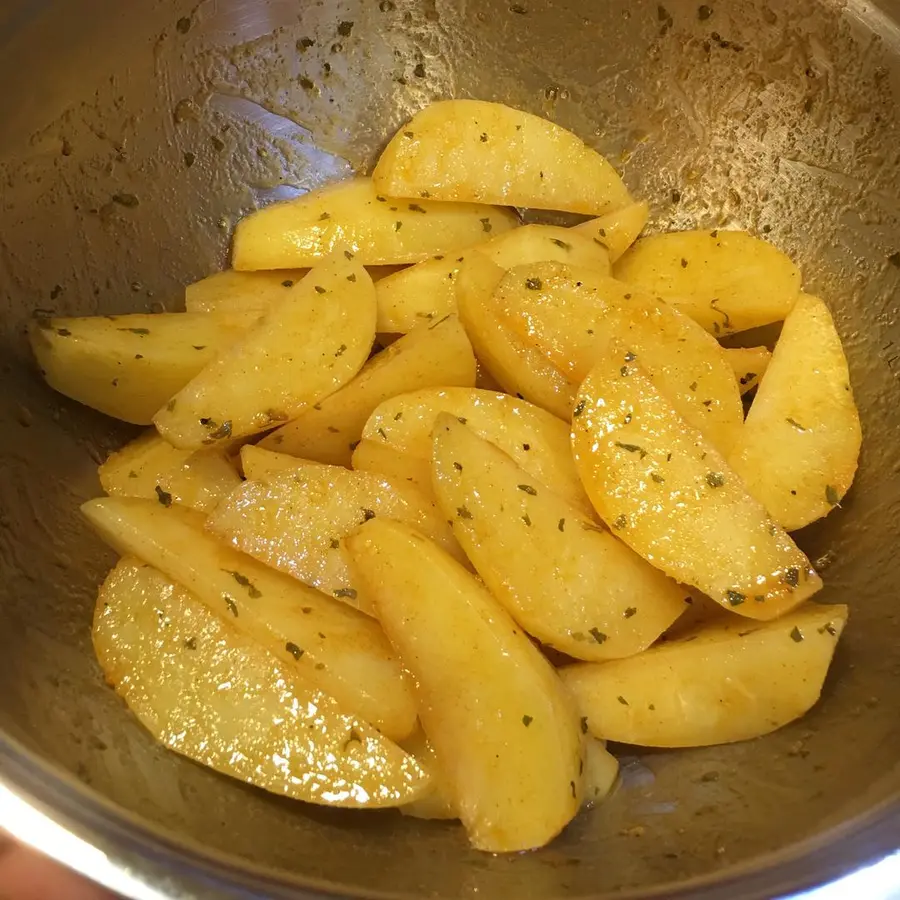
(490, 153)
(354, 216)
(427, 290)
(151, 468)
(258, 464)
(720, 683)
(231, 291)
(208, 692)
(518, 367)
(727, 281)
(129, 366)
(601, 770)
(799, 447)
(617, 231)
(670, 495)
(564, 579)
(308, 346)
(295, 522)
(374, 456)
(537, 441)
(749, 364)
(337, 648)
(503, 727)
(437, 354)
(572, 315)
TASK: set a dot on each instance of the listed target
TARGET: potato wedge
(306, 348)
(353, 215)
(601, 770)
(151, 468)
(231, 291)
(537, 441)
(720, 683)
(490, 153)
(374, 456)
(799, 448)
(518, 367)
(337, 648)
(727, 281)
(669, 494)
(259, 464)
(749, 364)
(501, 723)
(427, 290)
(437, 802)
(208, 692)
(565, 580)
(617, 231)
(572, 315)
(433, 355)
(129, 366)
(295, 522)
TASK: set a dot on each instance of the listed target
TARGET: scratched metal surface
(778, 117)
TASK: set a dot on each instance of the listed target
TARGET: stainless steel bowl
(133, 135)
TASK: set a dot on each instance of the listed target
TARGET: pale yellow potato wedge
(151, 468)
(502, 725)
(799, 447)
(436, 354)
(670, 495)
(490, 153)
(375, 456)
(617, 231)
(129, 366)
(731, 681)
(518, 367)
(564, 579)
(231, 291)
(727, 281)
(257, 463)
(337, 648)
(573, 314)
(601, 770)
(296, 521)
(437, 802)
(536, 440)
(309, 345)
(354, 216)
(204, 690)
(427, 290)
(749, 364)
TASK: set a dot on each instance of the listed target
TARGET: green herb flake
(334, 544)
(562, 525)
(458, 466)
(561, 244)
(64, 332)
(349, 593)
(528, 489)
(527, 720)
(630, 611)
(244, 582)
(657, 478)
(368, 514)
(340, 350)
(486, 225)
(795, 423)
(527, 520)
(164, 497)
(398, 225)
(463, 512)
(351, 278)
(232, 606)
(140, 331)
(796, 635)
(383, 433)
(831, 495)
(792, 576)
(621, 521)
(746, 379)
(693, 386)
(533, 284)
(324, 217)
(735, 598)
(293, 649)
(414, 207)
(598, 636)
(191, 643)
(829, 628)
(631, 448)
(715, 479)
(579, 408)
(622, 700)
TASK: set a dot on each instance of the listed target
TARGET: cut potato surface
(295, 522)
(437, 802)
(799, 448)
(519, 368)
(727, 281)
(374, 456)
(208, 692)
(427, 291)
(335, 647)
(129, 366)
(232, 291)
(601, 770)
(258, 463)
(354, 216)
(151, 468)
(617, 231)
(749, 364)
(669, 494)
(490, 153)
(536, 440)
(502, 725)
(566, 581)
(573, 315)
(720, 683)
(309, 345)
(432, 355)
